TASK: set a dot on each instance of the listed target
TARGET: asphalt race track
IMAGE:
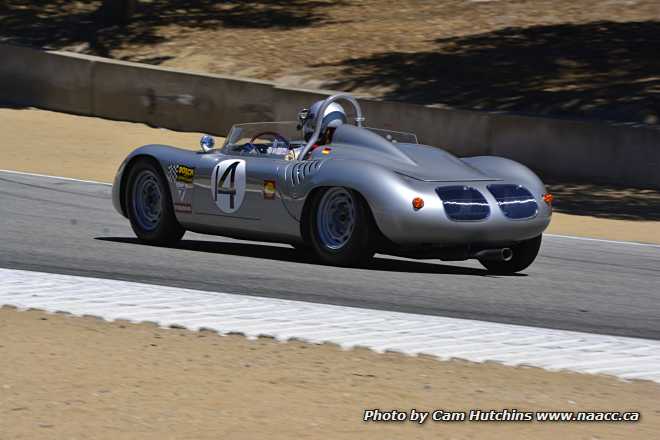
(70, 227)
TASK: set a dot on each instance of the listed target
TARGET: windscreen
(278, 138)
(395, 136)
(265, 137)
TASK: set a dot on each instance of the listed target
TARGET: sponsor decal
(326, 151)
(171, 172)
(185, 174)
(180, 173)
(183, 207)
(228, 185)
(181, 176)
(269, 189)
(181, 191)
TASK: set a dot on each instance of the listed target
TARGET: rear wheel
(341, 228)
(149, 205)
(524, 254)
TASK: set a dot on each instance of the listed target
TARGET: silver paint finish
(388, 175)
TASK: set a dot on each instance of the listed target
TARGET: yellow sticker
(185, 174)
(269, 189)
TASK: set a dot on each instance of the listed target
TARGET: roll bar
(359, 119)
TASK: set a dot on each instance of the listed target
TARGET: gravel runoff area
(91, 148)
(590, 59)
(71, 377)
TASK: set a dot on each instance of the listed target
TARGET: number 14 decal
(228, 184)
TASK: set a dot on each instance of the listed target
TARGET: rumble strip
(477, 341)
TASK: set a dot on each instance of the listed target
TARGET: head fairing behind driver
(333, 116)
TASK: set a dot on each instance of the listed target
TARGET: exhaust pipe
(504, 254)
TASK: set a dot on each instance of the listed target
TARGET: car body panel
(263, 197)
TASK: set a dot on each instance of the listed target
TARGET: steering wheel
(272, 134)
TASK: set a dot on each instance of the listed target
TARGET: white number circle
(228, 184)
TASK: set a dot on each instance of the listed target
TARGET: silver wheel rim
(147, 199)
(335, 221)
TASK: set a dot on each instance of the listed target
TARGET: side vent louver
(297, 172)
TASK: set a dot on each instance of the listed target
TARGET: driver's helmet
(333, 117)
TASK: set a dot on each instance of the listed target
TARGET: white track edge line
(602, 240)
(24, 173)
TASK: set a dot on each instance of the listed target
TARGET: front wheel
(149, 205)
(341, 229)
(524, 254)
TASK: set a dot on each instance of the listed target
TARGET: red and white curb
(478, 341)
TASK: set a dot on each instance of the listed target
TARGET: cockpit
(291, 140)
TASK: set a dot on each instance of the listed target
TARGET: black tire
(165, 230)
(359, 248)
(524, 254)
(302, 248)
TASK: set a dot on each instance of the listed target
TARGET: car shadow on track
(281, 253)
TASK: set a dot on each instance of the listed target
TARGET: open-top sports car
(338, 190)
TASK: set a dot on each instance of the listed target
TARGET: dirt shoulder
(69, 377)
(81, 147)
(604, 228)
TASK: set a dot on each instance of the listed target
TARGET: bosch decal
(185, 174)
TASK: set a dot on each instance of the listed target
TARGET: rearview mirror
(207, 143)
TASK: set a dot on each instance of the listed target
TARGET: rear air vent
(515, 201)
(297, 172)
(463, 203)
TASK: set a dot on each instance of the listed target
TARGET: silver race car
(332, 187)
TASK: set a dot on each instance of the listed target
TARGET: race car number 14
(228, 184)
